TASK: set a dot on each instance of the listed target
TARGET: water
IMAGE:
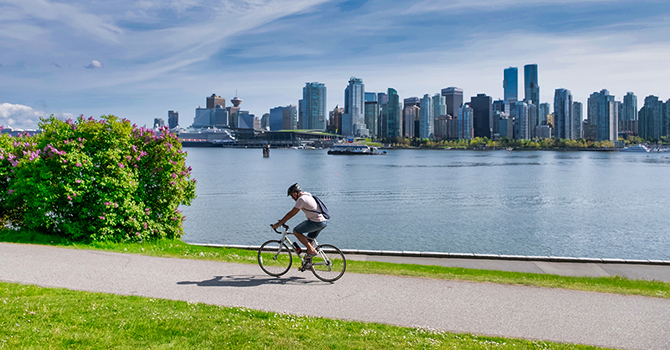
(578, 204)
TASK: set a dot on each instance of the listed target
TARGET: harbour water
(543, 203)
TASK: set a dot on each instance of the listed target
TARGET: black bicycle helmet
(294, 188)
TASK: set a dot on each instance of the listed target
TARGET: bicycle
(275, 258)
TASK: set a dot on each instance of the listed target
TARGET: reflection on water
(582, 204)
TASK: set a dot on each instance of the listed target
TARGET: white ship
(636, 148)
(355, 150)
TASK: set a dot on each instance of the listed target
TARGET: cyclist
(312, 226)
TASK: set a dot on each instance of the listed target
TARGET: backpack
(322, 207)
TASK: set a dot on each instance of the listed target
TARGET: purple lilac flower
(10, 191)
(121, 166)
(78, 164)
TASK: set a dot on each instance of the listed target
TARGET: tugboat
(355, 150)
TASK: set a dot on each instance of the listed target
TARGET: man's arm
(286, 218)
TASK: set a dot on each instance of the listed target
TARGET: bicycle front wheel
(274, 258)
(329, 264)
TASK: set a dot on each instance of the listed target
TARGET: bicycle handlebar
(283, 225)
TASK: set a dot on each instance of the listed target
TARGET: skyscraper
(482, 107)
(603, 112)
(372, 115)
(391, 112)
(465, 121)
(410, 117)
(453, 96)
(577, 113)
(214, 100)
(651, 123)
(314, 106)
(522, 121)
(511, 84)
(563, 114)
(629, 114)
(353, 119)
(173, 119)
(531, 87)
(439, 110)
(543, 112)
(426, 117)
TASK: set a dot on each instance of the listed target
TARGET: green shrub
(95, 180)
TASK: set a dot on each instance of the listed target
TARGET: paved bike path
(617, 321)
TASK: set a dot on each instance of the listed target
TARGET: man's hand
(274, 226)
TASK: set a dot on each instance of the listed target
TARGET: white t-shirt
(308, 205)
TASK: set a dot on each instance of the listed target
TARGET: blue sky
(139, 59)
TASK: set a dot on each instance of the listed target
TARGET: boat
(355, 150)
(636, 148)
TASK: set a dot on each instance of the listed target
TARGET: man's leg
(305, 242)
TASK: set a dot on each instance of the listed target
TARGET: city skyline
(140, 60)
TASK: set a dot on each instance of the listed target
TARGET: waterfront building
(465, 122)
(543, 131)
(301, 115)
(629, 117)
(335, 120)
(205, 117)
(314, 106)
(219, 117)
(391, 113)
(577, 113)
(603, 112)
(531, 86)
(410, 116)
(563, 114)
(439, 109)
(532, 119)
(265, 121)
(505, 124)
(353, 119)
(245, 120)
(382, 99)
(522, 121)
(276, 118)
(440, 127)
(652, 119)
(501, 105)
(426, 117)
(173, 119)
(482, 106)
(158, 123)
(543, 112)
(453, 97)
(214, 100)
(511, 84)
(372, 117)
(290, 117)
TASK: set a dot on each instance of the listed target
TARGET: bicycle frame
(284, 238)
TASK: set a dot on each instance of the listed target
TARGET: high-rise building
(391, 111)
(335, 120)
(159, 123)
(543, 112)
(511, 84)
(603, 112)
(532, 119)
(563, 114)
(652, 119)
(353, 119)
(265, 121)
(214, 100)
(465, 122)
(370, 97)
(426, 117)
(482, 107)
(372, 116)
(439, 109)
(276, 118)
(245, 120)
(501, 105)
(314, 106)
(577, 113)
(410, 116)
(173, 119)
(530, 82)
(382, 99)
(522, 121)
(629, 120)
(284, 118)
(453, 97)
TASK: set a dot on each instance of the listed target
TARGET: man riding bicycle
(312, 226)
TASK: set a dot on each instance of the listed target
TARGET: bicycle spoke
(329, 265)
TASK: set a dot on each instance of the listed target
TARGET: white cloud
(24, 117)
(94, 64)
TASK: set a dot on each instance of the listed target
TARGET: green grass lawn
(49, 318)
(179, 249)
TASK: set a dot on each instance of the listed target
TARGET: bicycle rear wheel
(274, 258)
(329, 265)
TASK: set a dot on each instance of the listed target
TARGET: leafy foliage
(95, 180)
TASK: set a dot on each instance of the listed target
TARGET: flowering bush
(95, 180)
